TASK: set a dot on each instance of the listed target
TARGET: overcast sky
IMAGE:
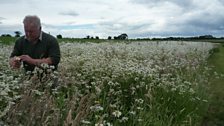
(103, 18)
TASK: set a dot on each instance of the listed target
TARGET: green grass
(215, 114)
(7, 40)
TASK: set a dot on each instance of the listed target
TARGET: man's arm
(35, 62)
(14, 60)
(54, 51)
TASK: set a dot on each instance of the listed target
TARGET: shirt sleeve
(54, 51)
(17, 49)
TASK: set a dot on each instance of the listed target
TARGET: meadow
(111, 83)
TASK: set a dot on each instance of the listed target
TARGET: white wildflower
(113, 105)
(108, 124)
(98, 90)
(44, 65)
(140, 101)
(204, 100)
(132, 112)
(99, 124)
(191, 91)
(139, 108)
(140, 120)
(52, 67)
(96, 108)
(37, 92)
(49, 70)
(85, 122)
(124, 119)
(116, 113)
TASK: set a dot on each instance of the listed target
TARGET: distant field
(9, 40)
(212, 40)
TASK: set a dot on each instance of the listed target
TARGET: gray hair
(32, 19)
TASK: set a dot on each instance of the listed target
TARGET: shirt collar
(40, 37)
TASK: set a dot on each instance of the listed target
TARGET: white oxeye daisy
(116, 113)
(85, 122)
(52, 67)
(99, 124)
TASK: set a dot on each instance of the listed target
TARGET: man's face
(32, 32)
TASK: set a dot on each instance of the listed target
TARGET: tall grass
(129, 84)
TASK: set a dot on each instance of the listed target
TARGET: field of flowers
(104, 84)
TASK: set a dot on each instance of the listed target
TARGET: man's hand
(27, 59)
(15, 62)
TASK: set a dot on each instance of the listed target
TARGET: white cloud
(69, 13)
(137, 18)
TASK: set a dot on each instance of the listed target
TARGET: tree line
(17, 34)
(122, 36)
(183, 38)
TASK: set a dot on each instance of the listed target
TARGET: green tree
(59, 36)
(18, 33)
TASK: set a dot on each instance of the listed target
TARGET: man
(35, 48)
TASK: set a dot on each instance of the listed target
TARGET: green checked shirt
(47, 46)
